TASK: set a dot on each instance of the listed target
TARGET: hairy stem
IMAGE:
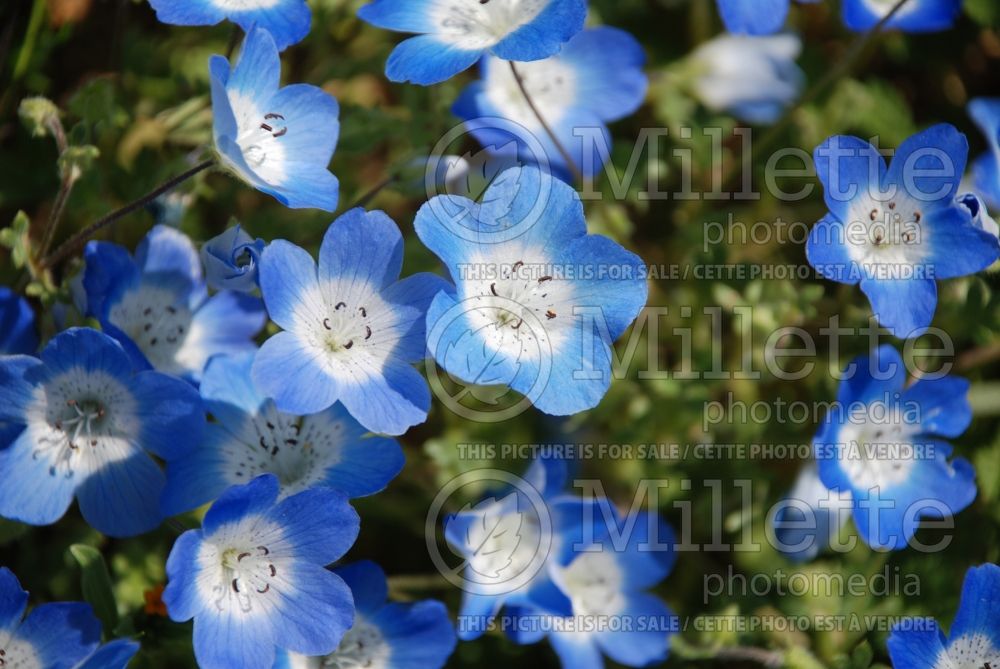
(577, 175)
(77, 240)
(69, 178)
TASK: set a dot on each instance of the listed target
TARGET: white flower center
(242, 571)
(363, 647)
(550, 83)
(16, 654)
(878, 443)
(480, 24)
(972, 651)
(157, 321)
(886, 235)
(260, 138)
(593, 582)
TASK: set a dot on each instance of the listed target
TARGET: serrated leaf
(96, 584)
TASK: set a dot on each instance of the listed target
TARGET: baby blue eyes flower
(17, 324)
(916, 16)
(253, 577)
(279, 140)
(157, 306)
(897, 229)
(384, 635)
(753, 78)
(287, 20)
(986, 168)
(883, 443)
(231, 260)
(454, 34)
(974, 641)
(808, 519)
(537, 302)
(351, 329)
(52, 636)
(89, 428)
(597, 78)
(250, 437)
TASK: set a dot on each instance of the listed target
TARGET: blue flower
(595, 79)
(352, 329)
(385, 635)
(977, 210)
(17, 324)
(916, 16)
(897, 229)
(113, 655)
(231, 260)
(453, 36)
(157, 306)
(986, 168)
(538, 302)
(249, 436)
(808, 519)
(253, 577)
(753, 78)
(883, 444)
(975, 634)
(279, 140)
(609, 581)
(89, 427)
(287, 20)
(53, 636)
(755, 17)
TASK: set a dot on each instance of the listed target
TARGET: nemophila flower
(454, 34)
(351, 329)
(897, 229)
(537, 302)
(52, 636)
(882, 442)
(385, 635)
(253, 576)
(157, 306)
(113, 655)
(752, 78)
(89, 427)
(755, 17)
(595, 79)
(916, 16)
(807, 520)
(249, 436)
(231, 260)
(986, 168)
(287, 20)
(279, 140)
(607, 582)
(974, 642)
(17, 324)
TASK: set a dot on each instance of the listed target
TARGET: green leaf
(96, 584)
(862, 656)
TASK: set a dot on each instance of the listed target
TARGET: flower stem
(831, 77)
(69, 178)
(577, 176)
(74, 242)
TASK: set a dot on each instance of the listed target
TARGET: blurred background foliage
(137, 92)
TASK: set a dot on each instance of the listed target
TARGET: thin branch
(74, 242)
(577, 175)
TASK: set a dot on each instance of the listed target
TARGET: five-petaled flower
(287, 20)
(897, 229)
(595, 79)
(88, 422)
(538, 302)
(279, 140)
(253, 576)
(352, 329)
(157, 306)
(231, 260)
(53, 636)
(882, 443)
(250, 436)
(385, 635)
(974, 642)
(455, 34)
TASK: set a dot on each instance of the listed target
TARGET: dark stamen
(544, 279)
(236, 588)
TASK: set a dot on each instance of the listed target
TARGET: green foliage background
(137, 90)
